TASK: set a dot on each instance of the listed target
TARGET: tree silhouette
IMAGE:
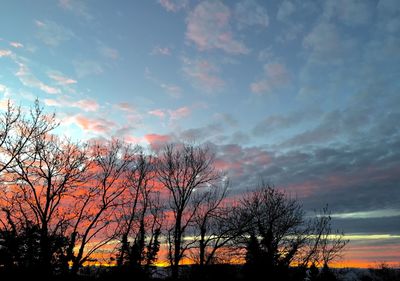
(280, 235)
(182, 169)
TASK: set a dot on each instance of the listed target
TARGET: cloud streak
(28, 79)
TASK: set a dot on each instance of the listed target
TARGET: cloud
(349, 12)
(226, 118)
(108, 52)
(157, 141)
(275, 76)
(16, 45)
(327, 45)
(125, 106)
(285, 10)
(61, 79)
(160, 113)
(28, 79)
(275, 123)
(205, 133)
(179, 113)
(77, 7)
(173, 90)
(266, 54)
(97, 125)
(380, 213)
(51, 33)
(208, 27)
(5, 53)
(87, 67)
(173, 5)
(164, 51)
(203, 75)
(323, 39)
(88, 105)
(249, 13)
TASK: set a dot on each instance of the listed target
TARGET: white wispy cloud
(88, 105)
(51, 33)
(108, 52)
(173, 5)
(76, 7)
(87, 67)
(60, 78)
(28, 79)
(250, 13)
(164, 51)
(16, 45)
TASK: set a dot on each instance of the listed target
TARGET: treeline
(65, 205)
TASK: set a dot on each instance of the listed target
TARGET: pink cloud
(94, 124)
(5, 53)
(179, 113)
(28, 79)
(275, 75)
(61, 79)
(53, 102)
(203, 74)
(132, 139)
(209, 28)
(16, 45)
(173, 5)
(87, 105)
(156, 141)
(158, 112)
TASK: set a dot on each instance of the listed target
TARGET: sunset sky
(302, 94)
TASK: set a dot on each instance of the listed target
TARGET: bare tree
(18, 129)
(276, 231)
(281, 235)
(43, 177)
(182, 169)
(97, 201)
(325, 244)
(216, 224)
(141, 217)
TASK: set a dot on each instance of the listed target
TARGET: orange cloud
(5, 53)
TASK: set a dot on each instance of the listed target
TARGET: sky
(301, 94)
